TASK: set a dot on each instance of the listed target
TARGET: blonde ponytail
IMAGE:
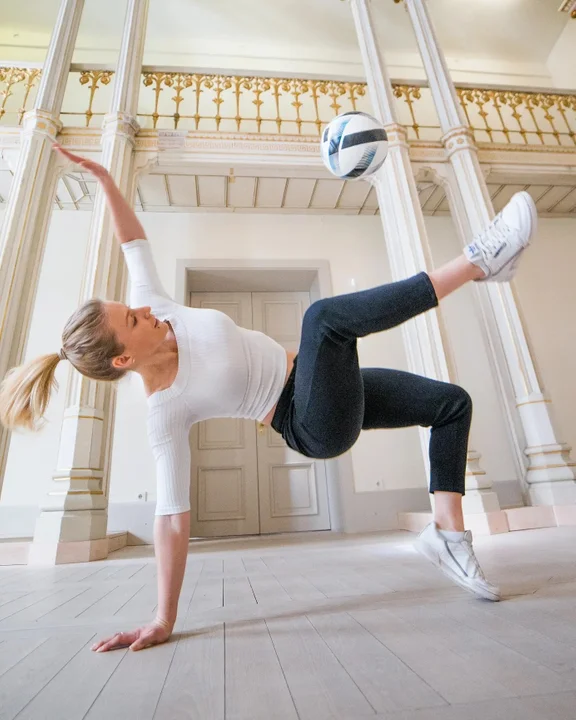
(25, 393)
(87, 342)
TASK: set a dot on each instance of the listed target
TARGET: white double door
(245, 480)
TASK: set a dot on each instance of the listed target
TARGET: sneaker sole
(426, 551)
(509, 270)
(529, 202)
(512, 265)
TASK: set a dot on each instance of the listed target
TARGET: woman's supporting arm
(171, 535)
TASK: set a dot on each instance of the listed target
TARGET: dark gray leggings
(329, 399)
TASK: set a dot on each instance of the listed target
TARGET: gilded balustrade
(230, 103)
(295, 106)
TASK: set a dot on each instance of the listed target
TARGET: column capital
(122, 124)
(397, 135)
(40, 122)
(457, 139)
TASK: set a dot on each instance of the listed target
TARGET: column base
(14, 552)
(480, 502)
(19, 552)
(482, 523)
(502, 521)
(60, 553)
(530, 518)
(69, 526)
(561, 492)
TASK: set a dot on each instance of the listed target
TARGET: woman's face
(137, 330)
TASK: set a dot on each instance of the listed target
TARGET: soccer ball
(354, 145)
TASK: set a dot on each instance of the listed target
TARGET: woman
(319, 402)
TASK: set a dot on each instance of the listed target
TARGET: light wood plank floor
(299, 627)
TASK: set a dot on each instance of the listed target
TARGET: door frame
(313, 276)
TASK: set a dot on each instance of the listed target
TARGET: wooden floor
(305, 627)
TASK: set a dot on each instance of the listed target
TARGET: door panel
(293, 490)
(224, 486)
(245, 480)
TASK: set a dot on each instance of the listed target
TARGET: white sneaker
(497, 250)
(457, 561)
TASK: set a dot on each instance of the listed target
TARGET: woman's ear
(123, 362)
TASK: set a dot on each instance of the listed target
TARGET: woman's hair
(87, 342)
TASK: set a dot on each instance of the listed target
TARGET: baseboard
(503, 521)
(351, 512)
(17, 551)
(509, 493)
(14, 552)
(374, 511)
(360, 512)
(135, 519)
(117, 541)
(18, 521)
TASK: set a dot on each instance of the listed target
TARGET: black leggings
(328, 399)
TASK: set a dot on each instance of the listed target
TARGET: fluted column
(72, 524)
(550, 470)
(27, 216)
(407, 243)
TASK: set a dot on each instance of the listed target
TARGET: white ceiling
(511, 30)
(171, 192)
(552, 200)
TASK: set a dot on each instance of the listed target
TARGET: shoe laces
(496, 233)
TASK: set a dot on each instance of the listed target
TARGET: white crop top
(223, 371)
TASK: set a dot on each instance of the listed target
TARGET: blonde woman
(197, 364)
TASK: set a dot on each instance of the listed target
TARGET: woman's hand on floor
(155, 633)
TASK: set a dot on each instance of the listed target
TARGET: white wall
(546, 289)
(562, 59)
(355, 250)
(481, 44)
(467, 348)
(356, 253)
(32, 457)
(546, 296)
(382, 461)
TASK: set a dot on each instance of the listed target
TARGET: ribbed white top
(223, 371)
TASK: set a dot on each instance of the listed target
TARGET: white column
(550, 474)
(72, 524)
(407, 243)
(27, 216)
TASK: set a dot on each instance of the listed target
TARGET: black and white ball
(354, 145)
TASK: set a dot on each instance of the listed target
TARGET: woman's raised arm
(127, 227)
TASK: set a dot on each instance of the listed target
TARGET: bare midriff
(289, 365)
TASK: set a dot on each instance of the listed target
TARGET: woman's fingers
(94, 168)
(150, 636)
(118, 640)
(74, 158)
(136, 640)
(142, 642)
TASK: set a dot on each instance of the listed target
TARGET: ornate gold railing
(93, 80)
(295, 106)
(230, 103)
(520, 117)
(17, 83)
